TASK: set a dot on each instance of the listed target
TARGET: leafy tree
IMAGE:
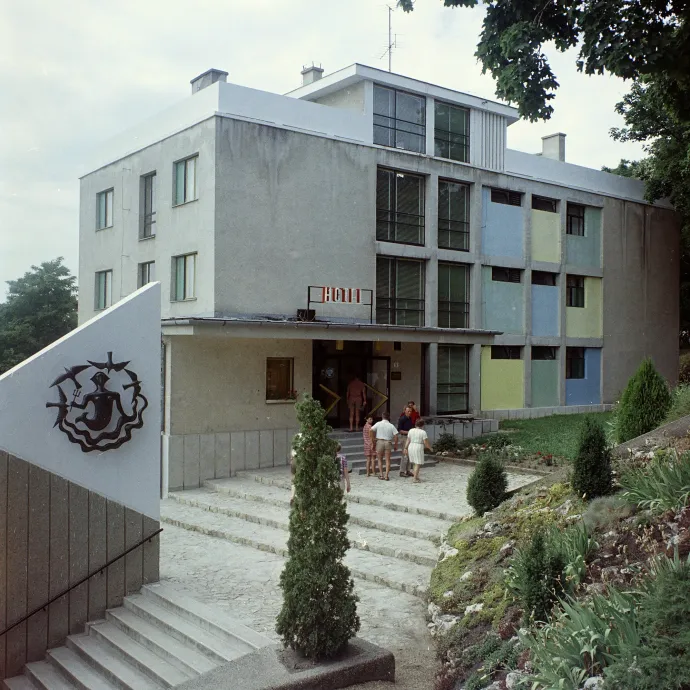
(644, 404)
(592, 475)
(319, 613)
(626, 168)
(41, 307)
(487, 485)
(627, 39)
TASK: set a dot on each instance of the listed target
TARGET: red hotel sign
(339, 295)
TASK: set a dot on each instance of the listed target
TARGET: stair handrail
(80, 582)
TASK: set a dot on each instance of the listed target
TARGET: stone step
(283, 480)
(109, 663)
(385, 570)
(20, 683)
(143, 659)
(216, 649)
(187, 659)
(405, 548)
(371, 516)
(78, 671)
(42, 674)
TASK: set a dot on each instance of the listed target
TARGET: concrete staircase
(392, 544)
(159, 638)
(353, 448)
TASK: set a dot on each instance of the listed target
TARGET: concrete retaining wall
(535, 412)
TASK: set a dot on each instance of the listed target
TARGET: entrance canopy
(323, 330)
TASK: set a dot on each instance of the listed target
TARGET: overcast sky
(75, 73)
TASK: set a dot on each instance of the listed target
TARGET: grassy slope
(557, 435)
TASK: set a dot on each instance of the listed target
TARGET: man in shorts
(356, 400)
(384, 436)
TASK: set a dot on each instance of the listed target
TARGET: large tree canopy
(628, 38)
(41, 307)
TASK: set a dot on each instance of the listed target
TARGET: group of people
(381, 439)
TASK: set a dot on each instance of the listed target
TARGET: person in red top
(414, 414)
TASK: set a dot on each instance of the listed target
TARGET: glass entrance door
(378, 386)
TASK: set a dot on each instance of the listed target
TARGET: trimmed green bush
(644, 404)
(680, 403)
(319, 613)
(592, 475)
(486, 487)
(446, 442)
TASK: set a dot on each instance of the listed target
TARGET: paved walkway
(225, 544)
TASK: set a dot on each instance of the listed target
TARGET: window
(575, 291)
(543, 278)
(148, 198)
(506, 275)
(279, 378)
(185, 181)
(575, 220)
(147, 273)
(542, 353)
(104, 205)
(451, 132)
(399, 119)
(103, 293)
(453, 295)
(575, 362)
(452, 378)
(399, 291)
(399, 207)
(503, 196)
(540, 203)
(183, 278)
(453, 216)
(506, 352)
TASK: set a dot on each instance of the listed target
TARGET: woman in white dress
(416, 442)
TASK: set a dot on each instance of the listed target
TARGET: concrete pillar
(431, 241)
(475, 388)
(431, 365)
(430, 147)
(475, 249)
(527, 301)
(561, 304)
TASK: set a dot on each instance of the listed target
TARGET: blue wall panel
(545, 310)
(586, 391)
(502, 228)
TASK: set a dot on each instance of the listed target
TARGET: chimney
(209, 77)
(553, 146)
(311, 74)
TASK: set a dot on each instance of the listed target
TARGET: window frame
(453, 388)
(465, 143)
(544, 201)
(569, 358)
(185, 163)
(554, 278)
(510, 274)
(144, 271)
(506, 352)
(107, 291)
(394, 121)
(106, 194)
(508, 200)
(542, 350)
(291, 384)
(173, 278)
(148, 220)
(570, 218)
(390, 217)
(449, 308)
(454, 227)
(574, 294)
(392, 309)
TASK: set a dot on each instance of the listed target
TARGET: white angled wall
(130, 474)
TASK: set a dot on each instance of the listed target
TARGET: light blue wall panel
(586, 391)
(545, 310)
(502, 228)
(502, 304)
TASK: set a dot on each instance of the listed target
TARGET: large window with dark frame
(506, 352)
(451, 132)
(505, 196)
(453, 295)
(575, 291)
(575, 362)
(399, 119)
(453, 216)
(575, 220)
(399, 291)
(542, 203)
(506, 275)
(544, 278)
(452, 373)
(541, 353)
(399, 207)
(280, 378)
(148, 203)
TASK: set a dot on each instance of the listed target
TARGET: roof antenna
(392, 42)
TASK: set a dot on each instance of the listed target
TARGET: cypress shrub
(644, 404)
(319, 613)
(592, 475)
(487, 485)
